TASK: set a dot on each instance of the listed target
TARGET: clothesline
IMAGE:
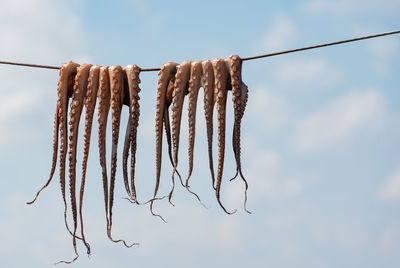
(244, 59)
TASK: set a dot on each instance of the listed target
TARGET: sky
(320, 135)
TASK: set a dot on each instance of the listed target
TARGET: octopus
(239, 99)
(66, 86)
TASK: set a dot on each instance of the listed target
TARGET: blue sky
(320, 136)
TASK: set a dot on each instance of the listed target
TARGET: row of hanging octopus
(115, 86)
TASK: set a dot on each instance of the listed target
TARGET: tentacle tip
(171, 203)
(131, 245)
(67, 262)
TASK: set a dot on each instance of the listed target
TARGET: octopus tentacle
(221, 79)
(67, 73)
(90, 103)
(125, 154)
(193, 91)
(104, 96)
(164, 76)
(55, 151)
(194, 86)
(167, 124)
(78, 98)
(209, 101)
(180, 88)
(132, 72)
(116, 83)
(234, 64)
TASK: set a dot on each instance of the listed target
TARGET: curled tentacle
(167, 71)
(78, 98)
(221, 80)
(234, 64)
(180, 88)
(54, 161)
(117, 94)
(209, 101)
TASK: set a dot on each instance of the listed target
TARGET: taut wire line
(244, 59)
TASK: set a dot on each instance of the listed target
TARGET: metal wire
(244, 59)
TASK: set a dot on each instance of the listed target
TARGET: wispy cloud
(307, 73)
(339, 120)
(280, 34)
(390, 190)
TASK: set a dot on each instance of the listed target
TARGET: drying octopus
(112, 87)
(216, 77)
(84, 84)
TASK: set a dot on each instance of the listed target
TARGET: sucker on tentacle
(209, 101)
(180, 89)
(55, 150)
(78, 98)
(167, 124)
(167, 71)
(116, 83)
(132, 73)
(90, 103)
(193, 91)
(234, 64)
(194, 86)
(221, 83)
(65, 84)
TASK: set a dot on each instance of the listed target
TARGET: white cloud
(390, 190)
(281, 33)
(273, 107)
(389, 239)
(265, 176)
(339, 120)
(310, 73)
(44, 31)
(383, 50)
